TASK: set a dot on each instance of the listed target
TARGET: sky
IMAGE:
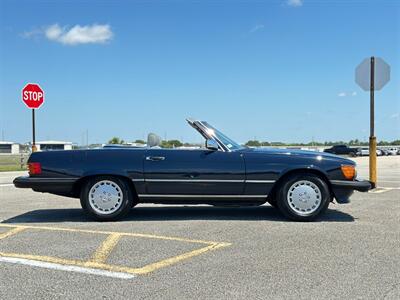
(268, 70)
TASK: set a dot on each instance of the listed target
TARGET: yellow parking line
(100, 256)
(105, 249)
(114, 268)
(11, 232)
(173, 260)
(150, 236)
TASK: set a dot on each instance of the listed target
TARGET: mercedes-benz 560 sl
(112, 180)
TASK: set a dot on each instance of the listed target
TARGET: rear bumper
(61, 186)
(343, 189)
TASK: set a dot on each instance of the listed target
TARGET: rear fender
(137, 186)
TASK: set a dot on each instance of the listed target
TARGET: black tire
(125, 204)
(285, 204)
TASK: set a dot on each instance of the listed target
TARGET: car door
(193, 172)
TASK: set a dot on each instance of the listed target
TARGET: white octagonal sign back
(363, 74)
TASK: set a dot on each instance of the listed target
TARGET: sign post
(33, 97)
(372, 137)
(33, 132)
(372, 74)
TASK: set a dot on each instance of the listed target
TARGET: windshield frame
(210, 132)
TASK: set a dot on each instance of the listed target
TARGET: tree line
(257, 143)
(356, 142)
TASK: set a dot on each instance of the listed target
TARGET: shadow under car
(175, 213)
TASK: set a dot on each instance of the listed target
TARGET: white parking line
(378, 191)
(6, 184)
(383, 189)
(53, 266)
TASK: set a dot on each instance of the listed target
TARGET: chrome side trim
(192, 180)
(138, 180)
(51, 178)
(260, 181)
(206, 180)
(199, 196)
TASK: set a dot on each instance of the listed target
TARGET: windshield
(229, 143)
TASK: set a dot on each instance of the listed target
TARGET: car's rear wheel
(303, 197)
(106, 198)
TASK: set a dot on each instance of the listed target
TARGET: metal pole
(33, 132)
(372, 138)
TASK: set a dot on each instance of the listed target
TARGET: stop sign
(32, 95)
(381, 74)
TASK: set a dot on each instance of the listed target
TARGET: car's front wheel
(106, 198)
(303, 197)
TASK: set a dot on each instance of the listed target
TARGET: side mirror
(212, 145)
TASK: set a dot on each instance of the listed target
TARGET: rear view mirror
(211, 144)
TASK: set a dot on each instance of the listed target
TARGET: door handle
(155, 158)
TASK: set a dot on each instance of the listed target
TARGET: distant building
(9, 148)
(53, 145)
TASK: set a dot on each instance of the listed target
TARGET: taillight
(34, 168)
(349, 172)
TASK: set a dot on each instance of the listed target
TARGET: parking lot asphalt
(50, 250)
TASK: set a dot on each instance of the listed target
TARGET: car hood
(300, 153)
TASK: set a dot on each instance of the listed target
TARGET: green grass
(13, 163)
(12, 168)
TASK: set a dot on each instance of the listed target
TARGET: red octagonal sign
(32, 95)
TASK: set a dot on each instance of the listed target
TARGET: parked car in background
(384, 151)
(365, 152)
(362, 152)
(392, 151)
(341, 149)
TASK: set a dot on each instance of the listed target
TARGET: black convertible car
(112, 180)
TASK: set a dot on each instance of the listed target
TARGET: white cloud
(31, 34)
(90, 34)
(294, 3)
(395, 116)
(347, 94)
(53, 32)
(257, 28)
(95, 34)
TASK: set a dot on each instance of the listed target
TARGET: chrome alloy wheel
(105, 197)
(304, 197)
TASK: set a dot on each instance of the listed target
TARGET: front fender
(304, 168)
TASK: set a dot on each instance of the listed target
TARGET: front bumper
(343, 189)
(358, 185)
(61, 186)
